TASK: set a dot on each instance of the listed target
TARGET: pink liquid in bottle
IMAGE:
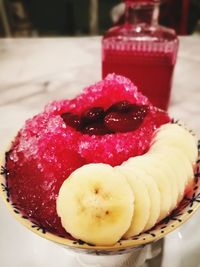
(142, 51)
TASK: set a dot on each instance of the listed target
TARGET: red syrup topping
(71, 133)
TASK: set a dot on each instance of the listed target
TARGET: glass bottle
(142, 50)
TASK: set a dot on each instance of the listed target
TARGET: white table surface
(35, 71)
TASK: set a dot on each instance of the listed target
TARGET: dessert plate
(184, 211)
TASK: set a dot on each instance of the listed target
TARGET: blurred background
(42, 18)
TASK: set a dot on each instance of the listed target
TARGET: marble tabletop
(35, 71)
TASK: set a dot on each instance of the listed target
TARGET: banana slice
(178, 163)
(142, 201)
(167, 188)
(168, 175)
(96, 204)
(153, 191)
(175, 135)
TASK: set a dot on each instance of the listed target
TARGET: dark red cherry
(96, 129)
(93, 115)
(122, 106)
(140, 111)
(127, 117)
(122, 122)
(72, 120)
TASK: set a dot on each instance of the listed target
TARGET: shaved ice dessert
(100, 167)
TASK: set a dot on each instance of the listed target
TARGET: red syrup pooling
(47, 149)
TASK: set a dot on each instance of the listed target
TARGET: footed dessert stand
(134, 259)
(138, 257)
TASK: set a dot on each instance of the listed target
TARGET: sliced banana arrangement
(100, 204)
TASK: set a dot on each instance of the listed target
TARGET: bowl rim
(169, 224)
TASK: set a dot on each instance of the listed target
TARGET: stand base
(136, 258)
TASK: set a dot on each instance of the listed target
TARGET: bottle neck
(137, 13)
